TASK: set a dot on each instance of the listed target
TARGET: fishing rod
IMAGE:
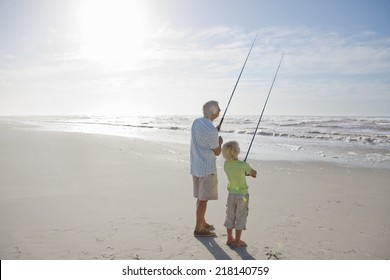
(234, 89)
(266, 101)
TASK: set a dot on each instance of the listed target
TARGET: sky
(151, 57)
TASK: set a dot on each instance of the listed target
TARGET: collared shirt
(204, 138)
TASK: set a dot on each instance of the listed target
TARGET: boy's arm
(252, 172)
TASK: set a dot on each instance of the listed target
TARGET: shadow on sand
(242, 252)
(219, 254)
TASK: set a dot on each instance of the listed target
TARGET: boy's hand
(253, 173)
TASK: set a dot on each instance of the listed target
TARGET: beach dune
(88, 196)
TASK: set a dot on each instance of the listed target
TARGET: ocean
(358, 141)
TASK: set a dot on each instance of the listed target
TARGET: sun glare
(113, 29)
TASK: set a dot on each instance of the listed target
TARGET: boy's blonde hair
(230, 150)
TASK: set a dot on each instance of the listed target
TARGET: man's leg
(201, 207)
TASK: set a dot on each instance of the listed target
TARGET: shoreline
(85, 196)
(342, 154)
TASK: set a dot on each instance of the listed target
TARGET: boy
(238, 198)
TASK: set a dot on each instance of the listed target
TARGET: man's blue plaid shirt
(204, 138)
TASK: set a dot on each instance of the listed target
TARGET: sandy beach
(88, 196)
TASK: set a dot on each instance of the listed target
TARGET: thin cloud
(199, 62)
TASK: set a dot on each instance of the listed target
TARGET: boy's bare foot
(230, 241)
(240, 243)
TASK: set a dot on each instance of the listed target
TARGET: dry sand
(85, 196)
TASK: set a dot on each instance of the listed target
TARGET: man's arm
(217, 151)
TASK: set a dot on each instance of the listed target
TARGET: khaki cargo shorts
(206, 188)
(237, 211)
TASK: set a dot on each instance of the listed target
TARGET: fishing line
(266, 101)
(234, 89)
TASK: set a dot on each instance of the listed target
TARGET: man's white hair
(210, 108)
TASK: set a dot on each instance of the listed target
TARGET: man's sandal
(209, 227)
(204, 233)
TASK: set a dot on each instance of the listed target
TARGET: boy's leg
(230, 238)
(239, 242)
(241, 218)
(230, 219)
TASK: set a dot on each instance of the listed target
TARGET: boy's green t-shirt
(235, 171)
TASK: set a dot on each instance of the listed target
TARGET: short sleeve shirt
(235, 171)
(204, 138)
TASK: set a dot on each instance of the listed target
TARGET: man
(205, 146)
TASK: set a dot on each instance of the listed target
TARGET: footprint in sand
(334, 201)
(18, 252)
(100, 239)
(326, 228)
(272, 255)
